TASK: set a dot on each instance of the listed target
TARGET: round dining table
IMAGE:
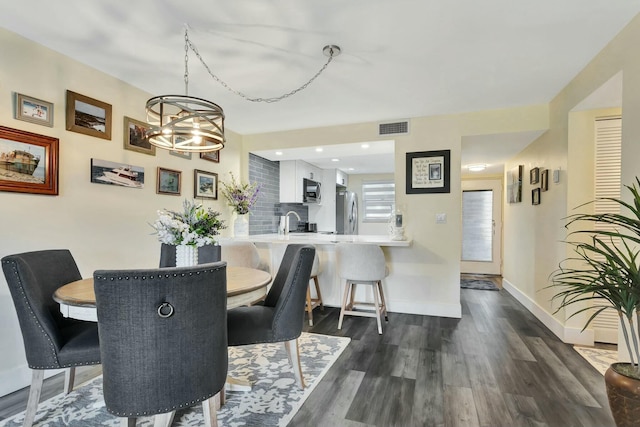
(245, 286)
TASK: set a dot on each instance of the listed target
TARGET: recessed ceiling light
(319, 150)
(335, 160)
(351, 169)
(278, 153)
(477, 168)
(365, 146)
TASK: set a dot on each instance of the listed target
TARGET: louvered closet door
(607, 184)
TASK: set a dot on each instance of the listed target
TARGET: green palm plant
(605, 268)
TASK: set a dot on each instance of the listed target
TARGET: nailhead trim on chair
(46, 335)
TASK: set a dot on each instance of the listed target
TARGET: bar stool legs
(313, 302)
(379, 305)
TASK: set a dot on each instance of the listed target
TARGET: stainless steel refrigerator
(346, 212)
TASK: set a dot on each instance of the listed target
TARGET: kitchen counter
(325, 239)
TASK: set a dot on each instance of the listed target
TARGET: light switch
(441, 218)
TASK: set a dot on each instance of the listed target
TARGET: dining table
(245, 286)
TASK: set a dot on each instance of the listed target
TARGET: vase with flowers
(193, 228)
(241, 197)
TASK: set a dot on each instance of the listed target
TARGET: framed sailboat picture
(28, 162)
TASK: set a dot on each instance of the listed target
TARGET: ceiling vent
(396, 128)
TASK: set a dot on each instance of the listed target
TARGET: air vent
(393, 128)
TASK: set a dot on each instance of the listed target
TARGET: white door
(481, 227)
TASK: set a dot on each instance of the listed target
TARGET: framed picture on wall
(544, 180)
(33, 110)
(535, 196)
(181, 154)
(205, 184)
(212, 156)
(428, 172)
(28, 162)
(169, 181)
(113, 173)
(134, 137)
(534, 175)
(88, 116)
(514, 184)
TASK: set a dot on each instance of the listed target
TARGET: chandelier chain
(186, 63)
(189, 45)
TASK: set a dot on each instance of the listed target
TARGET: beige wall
(533, 233)
(103, 226)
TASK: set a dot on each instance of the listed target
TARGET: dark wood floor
(497, 366)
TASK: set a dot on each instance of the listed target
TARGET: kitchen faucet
(284, 221)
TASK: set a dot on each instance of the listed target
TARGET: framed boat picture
(120, 174)
(28, 162)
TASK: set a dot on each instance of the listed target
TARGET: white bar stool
(360, 263)
(314, 302)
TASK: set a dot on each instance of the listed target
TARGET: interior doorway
(481, 227)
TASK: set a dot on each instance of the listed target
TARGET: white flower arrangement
(195, 226)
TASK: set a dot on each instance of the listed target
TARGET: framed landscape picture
(205, 184)
(514, 184)
(88, 116)
(33, 110)
(169, 181)
(28, 162)
(212, 156)
(135, 138)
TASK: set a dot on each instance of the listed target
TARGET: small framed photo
(205, 184)
(28, 162)
(535, 196)
(212, 156)
(169, 181)
(88, 116)
(181, 154)
(33, 110)
(428, 172)
(135, 137)
(544, 180)
(113, 173)
(534, 175)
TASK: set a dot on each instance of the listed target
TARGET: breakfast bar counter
(272, 247)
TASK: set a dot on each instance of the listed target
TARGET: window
(378, 198)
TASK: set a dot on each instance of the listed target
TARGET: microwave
(310, 191)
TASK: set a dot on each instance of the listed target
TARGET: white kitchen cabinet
(342, 178)
(292, 172)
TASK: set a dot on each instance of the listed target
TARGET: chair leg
(223, 398)
(210, 408)
(163, 420)
(315, 282)
(37, 377)
(69, 379)
(377, 303)
(309, 307)
(294, 357)
(384, 303)
(347, 287)
(128, 422)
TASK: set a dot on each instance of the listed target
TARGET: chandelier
(186, 123)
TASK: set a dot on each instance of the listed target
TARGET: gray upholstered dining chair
(206, 254)
(281, 317)
(163, 340)
(50, 340)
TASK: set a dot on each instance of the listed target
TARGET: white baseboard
(20, 377)
(566, 334)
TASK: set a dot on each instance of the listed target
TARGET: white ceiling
(400, 59)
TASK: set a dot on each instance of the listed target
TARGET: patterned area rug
(485, 285)
(273, 400)
(598, 358)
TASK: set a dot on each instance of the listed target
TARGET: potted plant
(240, 197)
(188, 230)
(605, 271)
